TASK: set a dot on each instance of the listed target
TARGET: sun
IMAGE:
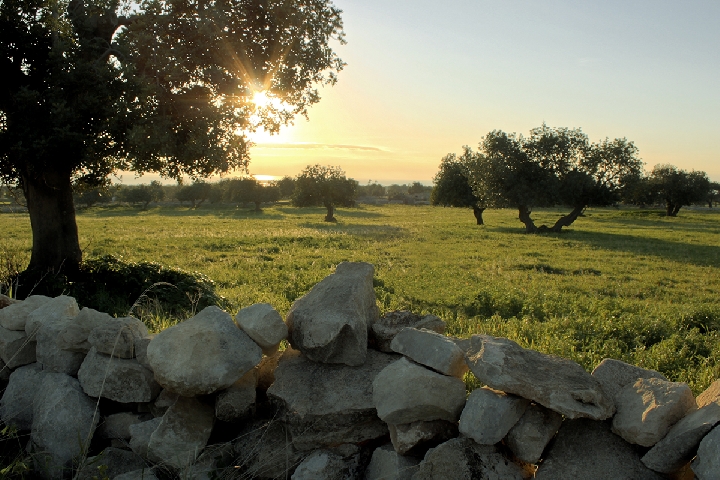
(261, 98)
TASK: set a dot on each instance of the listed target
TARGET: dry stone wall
(354, 396)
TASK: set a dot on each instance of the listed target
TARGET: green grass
(626, 284)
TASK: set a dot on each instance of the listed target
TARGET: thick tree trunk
(676, 209)
(330, 213)
(669, 209)
(568, 219)
(524, 216)
(477, 211)
(52, 219)
(257, 206)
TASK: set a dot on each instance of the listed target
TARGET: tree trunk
(52, 219)
(524, 216)
(330, 213)
(257, 206)
(669, 209)
(477, 211)
(676, 209)
(568, 219)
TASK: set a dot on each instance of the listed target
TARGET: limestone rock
(531, 434)
(142, 474)
(489, 415)
(182, 434)
(405, 392)
(14, 316)
(119, 379)
(4, 371)
(681, 442)
(49, 353)
(264, 325)
(462, 458)
(64, 420)
(615, 375)
(263, 451)
(417, 437)
(431, 349)
(327, 465)
(326, 404)
(16, 348)
(117, 425)
(117, 338)
(707, 461)
(141, 345)
(109, 464)
(203, 354)
(238, 401)
(330, 323)
(140, 434)
(710, 395)
(648, 408)
(74, 335)
(16, 405)
(387, 464)
(6, 301)
(588, 450)
(50, 311)
(556, 383)
(164, 400)
(384, 330)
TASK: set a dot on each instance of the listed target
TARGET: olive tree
(452, 187)
(324, 185)
(677, 188)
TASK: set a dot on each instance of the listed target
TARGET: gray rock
(49, 353)
(387, 464)
(330, 323)
(6, 301)
(4, 371)
(556, 383)
(203, 354)
(238, 401)
(590, 451)
(326, 405)
(462, 458)
(405, 392)
(182, 434)
(531, 434)
(680, 444)
(431, 349)
(16, 405)
(119, 379)
(142, 474)
(50, 311)
(648, 408)
(164, 400)
(489, 415)
(384, 330)
(117, 425)
(110, 463)
(615, 375)
(74, 335)
(266, 370)
(264, 451)
(264, 325)
(327, 465)
(417, 437)
(64, 419)
(16, 348)
(141, 345)
(117, 337)
(14, 316)
(140, 435)
(710, 395)
(707, 461)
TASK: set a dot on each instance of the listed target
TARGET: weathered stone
(266, 370)
(16, 348)
(4, 371)
(489, 415)
(16, 405)
(707, 461)
(117, 338)
(387, 464)
(238, 401)
(264, 325)
(110, 463)
(119, 379)
(164, 400)
(405, 392)
(327, 465)
(203, 354)
(590, 451)
(64, 420)
(417, 437)
(263, 451)
(141, 345)
(6, 301)
(74, 335)
(648, 408)
(14, 316)
(615, 375)
(710, 395)
(330, 323)
(556, 383)
(215, 462)
(140, 435)
(49, 353)
(326, 404)
(531, 434)
(182, 434)
(431, 349)
(118, 425)
(50, 311)
(681, 442)
(462, 458)
(142, 474)
(384, 330)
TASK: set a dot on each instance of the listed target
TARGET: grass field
(626, 284)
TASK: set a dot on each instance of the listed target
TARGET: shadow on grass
(374, 231)
(179, 211)
(356, 212)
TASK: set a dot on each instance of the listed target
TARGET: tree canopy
(92, 87)
(677, 188)
(324, 185)
(451, 185)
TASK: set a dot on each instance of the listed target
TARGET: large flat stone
(50, 311)
(330, 323)
(431, 349)
(325, 405)
(14, 316)
(528, 438)
(117, 337)
(384, 330)
(74, 335)
(556, 383)
(615, 375)
(119, 379)
(707, 461)
(489, 415)
(203, 354)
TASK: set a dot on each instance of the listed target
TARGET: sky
(423, 78)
